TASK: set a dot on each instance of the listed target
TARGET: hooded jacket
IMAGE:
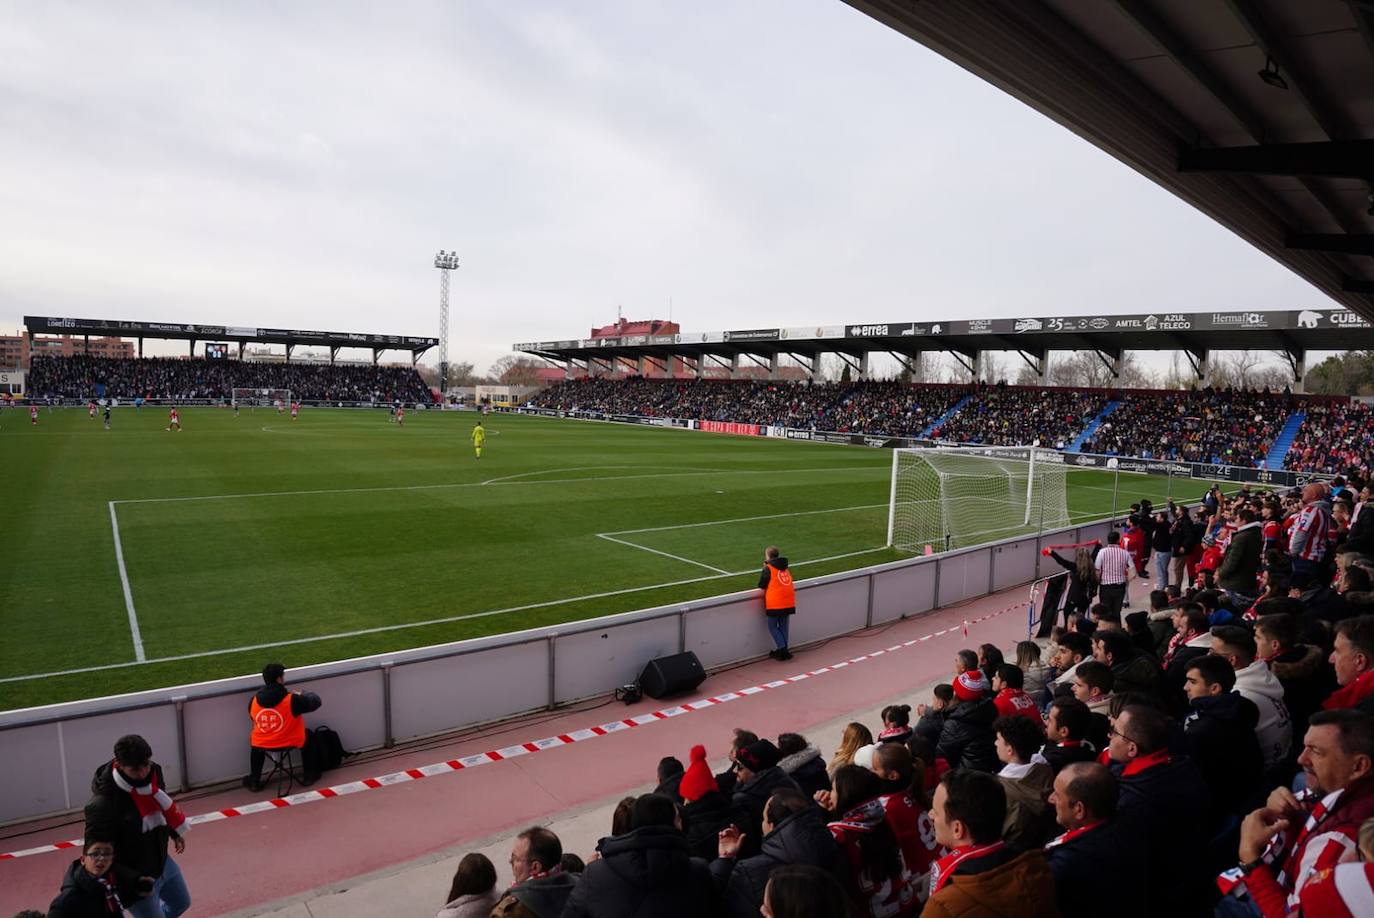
(807, 768)
(1027, 787)
(645, 873)
(111, 814)
(542, 897)
(82, 896)
(967, 740)
(1022, 887)
(1275, 729)
(765, 577)
(801, 838)
(1239, 570)
(1219, 734)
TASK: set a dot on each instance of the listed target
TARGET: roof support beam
(1357, 285)
(1351, 243)
(1332, 159)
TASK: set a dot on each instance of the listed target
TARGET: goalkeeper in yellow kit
(479, 436)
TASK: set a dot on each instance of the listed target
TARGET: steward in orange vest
(277, 723)
(779, 600)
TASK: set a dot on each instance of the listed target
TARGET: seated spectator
(855, 735)
(95, 885)
(571, 863)
(1138, 628)
(1009, 698)
(1066, 729)
(1192, 638)
(896, 724)
(277, 715)
(982, 875)
(933, 715)
(906, 806)
(706, 811)
(759, 777)
(669, 775)
(1255, 682)
(1346, 890)
(1073, 649)
(1161, 618)
(473, 892)
(1300, 669)
(794, 832)
(1163, 805)
(1035, 675)
(741, 738)
(1353, 660)
(646, 871)
(1132, 671)
(541, 888)
(966, 739)
(803, 763)
(622, 816)
(876, 879)
(1291, 838)
(989, 658)
(1093, 862)
(923, 754)
(1092, 684)
(1026, 778)
(1219, 736)
(803, 892)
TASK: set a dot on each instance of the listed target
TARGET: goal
(953, 497)
(261, 398)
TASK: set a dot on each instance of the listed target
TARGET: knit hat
(971, 686)
(758, 756)
(697, 780)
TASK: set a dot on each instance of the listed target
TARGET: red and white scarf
(943, 869)
(152, 802)
(113, 904)
(1074, 833)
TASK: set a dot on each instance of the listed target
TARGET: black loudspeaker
(672, 675)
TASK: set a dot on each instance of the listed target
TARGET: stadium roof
(1260, 113)
(1294, 331)
(291, 337)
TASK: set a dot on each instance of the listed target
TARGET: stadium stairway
(1077, 445)
(946, 416)
(1284, 441)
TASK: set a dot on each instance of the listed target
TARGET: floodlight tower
(446, 262)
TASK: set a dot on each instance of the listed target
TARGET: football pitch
(136, 557)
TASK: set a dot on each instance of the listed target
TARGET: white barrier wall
(199, 733)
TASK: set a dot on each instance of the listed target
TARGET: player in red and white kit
(174, 420)
(400, 416)
(33, 415)
(90, 407)
(295, 410)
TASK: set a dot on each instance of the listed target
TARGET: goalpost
(952, 497)
(260, 398)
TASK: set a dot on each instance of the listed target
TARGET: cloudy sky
(755, 162)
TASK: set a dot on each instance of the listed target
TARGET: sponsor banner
(794, 434)
(888, 330)
(752, 334)
(1327, 318)
(814, 331)
(731, 427)
(234, 331)
(663, 339)
(827, 436)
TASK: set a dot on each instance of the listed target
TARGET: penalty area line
(403, 626)
(139, 655)
(609, 538)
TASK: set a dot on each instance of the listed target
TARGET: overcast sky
(758, 162)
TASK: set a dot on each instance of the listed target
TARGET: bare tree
(1086, 369)
(516, 370)
(1248, 369)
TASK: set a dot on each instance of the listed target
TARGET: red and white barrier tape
(511, 752)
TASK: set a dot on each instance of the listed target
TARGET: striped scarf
(152, 802)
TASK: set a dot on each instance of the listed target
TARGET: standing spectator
(803, 892)
(1066, 730)
(1161, 549)
(541, 888)
(981, 875)
(1094, 863)
(1254, 681)
(1219, 736)
(1307, 834)
(1308, 542)
(129, 807)
(794, 832)
(1238, 574)
(1163, 804)
(1353, 660)
(647, 871)
(966, 739)
(878, 882)
(856, 735)
(779, 600)
(1082, 576)
(276, 714)
(473, 891)
(803, 763)
(94, 887)
(1010, 699)
(1113, 565)
(1183, 541)
(1026, 778)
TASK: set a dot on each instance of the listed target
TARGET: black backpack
(323, 752)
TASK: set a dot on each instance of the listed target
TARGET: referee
(1113, 565)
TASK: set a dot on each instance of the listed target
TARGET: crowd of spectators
(85, 377)
(1002, 416)
(1228, 426)
(1333, 438)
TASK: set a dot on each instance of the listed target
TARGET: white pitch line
(139, 655)
(608, 538)
(421, 624)
(742, 519)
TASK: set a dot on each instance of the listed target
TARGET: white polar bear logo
(1308, 319)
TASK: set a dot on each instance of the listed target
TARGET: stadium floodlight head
(1270, 74)
(446, 261)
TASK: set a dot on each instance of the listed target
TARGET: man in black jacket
(130, 806)
(1066, 729)
(1095, 865)
(1219, 734)
(794, 832)
(646, 871)
(541, 887)
(756, 766)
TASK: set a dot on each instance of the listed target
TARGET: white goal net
(261, 398)
(955, 497)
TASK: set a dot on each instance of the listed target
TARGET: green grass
(404, 527)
